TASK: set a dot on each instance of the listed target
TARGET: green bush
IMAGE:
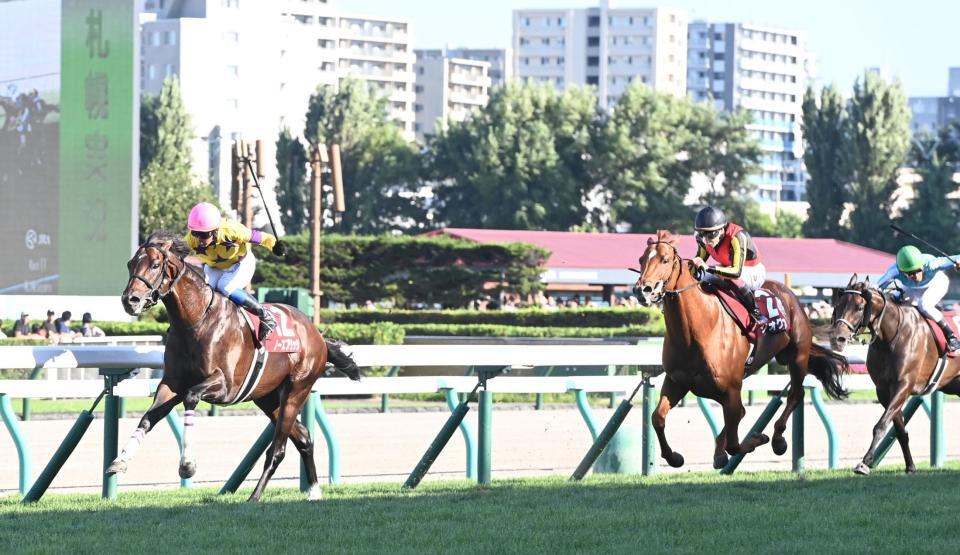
(575, 317)
(492, 330)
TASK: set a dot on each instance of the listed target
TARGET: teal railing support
(25, 403)
(333, 444)
(583, 405)
(308, 417)
(468, 439)
(439, 442)
(255, 452)
(485, 433)
(605, 435)
(797, 426)
(887, 442)
(708, 413)
(833, 448)
(16, 434)
(385, 398)
(758, 427)
(176, 426)
(538, 403)
(938, 448)
(649, 456)
(111, 425)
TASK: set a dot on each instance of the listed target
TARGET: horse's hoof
(675, 460)
(779, 446)
(720, 461)
(187, 470)
(911, 470)
(116, 467)
(759, 439)
(314, 493)
(862, 469)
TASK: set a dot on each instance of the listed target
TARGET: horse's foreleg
(163, 401)
(720, 458)
(670, 395)
(290, 403)
(214, 387)
(892, 408)
(904, 439)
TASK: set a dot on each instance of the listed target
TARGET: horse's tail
(829, 367)
(341, 360)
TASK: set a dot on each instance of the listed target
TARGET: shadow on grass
(757, 512)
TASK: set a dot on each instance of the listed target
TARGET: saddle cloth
(283, 339)
(769, 305)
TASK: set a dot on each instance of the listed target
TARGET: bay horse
(209, 351)
(704, 351)
(901, 358)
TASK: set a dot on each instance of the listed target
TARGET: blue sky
(915, 39)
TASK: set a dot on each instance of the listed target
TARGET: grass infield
(763, 512)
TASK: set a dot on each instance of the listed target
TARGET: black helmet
(709, 219)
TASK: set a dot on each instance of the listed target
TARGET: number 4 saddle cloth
(769, 305)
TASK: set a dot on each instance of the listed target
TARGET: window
(151, 71)
(155, 39)
(418, 88)
(230, 3)
(718, 36)
(170, 38)
(593, 61)
(544, 61)
(593, 21)
(718, 55)
(593, 80)
(418, 107)
(525, 21)
(233, 71)
(168, 70)
(593, 41)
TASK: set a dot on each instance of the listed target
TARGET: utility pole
(318, 156)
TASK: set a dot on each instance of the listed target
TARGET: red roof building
(603, 258)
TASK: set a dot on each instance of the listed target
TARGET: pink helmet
(204, 217)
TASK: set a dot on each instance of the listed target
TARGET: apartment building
(764, 71)
(610, 48)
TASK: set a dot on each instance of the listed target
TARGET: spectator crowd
(53, 329)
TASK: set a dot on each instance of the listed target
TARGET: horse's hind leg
(904, 439)
(892, 408)
(798, 369)
(299, 436)
(670, 395)
(292, 398)
(733, 413)
(163, 401)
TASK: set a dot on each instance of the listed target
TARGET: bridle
(866, 320)
(677, 261)
(153, 289)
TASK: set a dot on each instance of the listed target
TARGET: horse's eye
(155, 265)
(664, 259)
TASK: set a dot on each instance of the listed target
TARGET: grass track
(766, 512)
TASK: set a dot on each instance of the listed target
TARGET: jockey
(228, 262)
(923, 284)
(737, 257)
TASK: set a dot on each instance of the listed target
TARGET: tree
(168, 187)
(878, 131)
(653, 144)
(824, 132)
(932, 214)
(380, 169)
(520, 162)
(292, 197)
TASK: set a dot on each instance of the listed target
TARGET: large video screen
(68, 128)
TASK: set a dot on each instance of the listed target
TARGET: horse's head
(852, 308)
(659, 264)
(154, 270)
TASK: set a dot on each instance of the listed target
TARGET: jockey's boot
(750, 301)
(267, 322)
(953, 344)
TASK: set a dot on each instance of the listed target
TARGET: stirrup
(267, 325)
(953, 344)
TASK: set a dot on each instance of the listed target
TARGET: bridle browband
(866, 321)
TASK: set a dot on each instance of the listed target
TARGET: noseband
(677, 261)
(865, 319)
(153, 292)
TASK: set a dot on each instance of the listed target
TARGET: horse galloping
(901, 359)
(210, 351)
(705, 353)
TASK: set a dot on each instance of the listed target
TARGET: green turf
(769, 512)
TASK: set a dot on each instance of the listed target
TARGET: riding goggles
(203, 234)
(708, 235)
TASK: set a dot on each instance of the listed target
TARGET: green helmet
(909, 259)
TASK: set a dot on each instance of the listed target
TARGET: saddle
(769, 305)
(281, 340)
(938, 337)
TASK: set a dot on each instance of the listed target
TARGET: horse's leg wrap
(132, 446)
(188, 465)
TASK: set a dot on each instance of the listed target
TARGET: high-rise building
(610, 48)
(929, 113)
(447, 88)
(500, 60)
(764, 71)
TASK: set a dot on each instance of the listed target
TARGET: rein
(677, 260)
(865, 319)
(154, 288)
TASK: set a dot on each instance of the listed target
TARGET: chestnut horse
(209, 351)
(901, 358)
(705, 352)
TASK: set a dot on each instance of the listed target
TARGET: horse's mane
(178, 246)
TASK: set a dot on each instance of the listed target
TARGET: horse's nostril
(133, 299)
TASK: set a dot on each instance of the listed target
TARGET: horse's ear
(853, 279)
(651, 241)
(866, 283)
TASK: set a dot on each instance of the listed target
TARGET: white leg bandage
(186, 451)
(132, 445)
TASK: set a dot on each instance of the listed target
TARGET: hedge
(491, 330)
(380, 333)
(565, 318)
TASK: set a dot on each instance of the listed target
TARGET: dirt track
(386, 447)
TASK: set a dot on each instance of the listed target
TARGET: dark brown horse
(705, 352)
(901, 358)
(209, 351)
